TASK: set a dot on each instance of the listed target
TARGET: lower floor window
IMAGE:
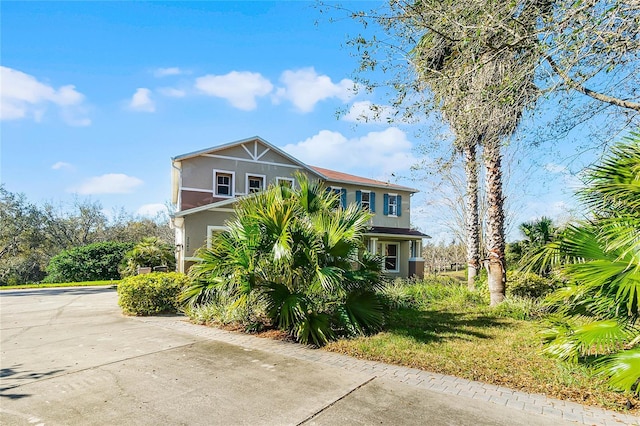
(391, 257)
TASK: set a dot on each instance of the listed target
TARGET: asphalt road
(69, 357)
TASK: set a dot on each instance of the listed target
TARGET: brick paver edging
(529, 403)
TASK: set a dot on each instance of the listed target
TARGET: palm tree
(597, 313)
(302, 257)
(483, 104)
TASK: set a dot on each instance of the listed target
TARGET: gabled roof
(217, 148)
(339, 177)
(331, 176)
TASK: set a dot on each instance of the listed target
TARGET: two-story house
(206, 183)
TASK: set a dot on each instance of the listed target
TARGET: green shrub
(150, 252)
(223, 310)
(420, 294)
(150, 294)
(526, 284)
(93, 262)
(519, 308)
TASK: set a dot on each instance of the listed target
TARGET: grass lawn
(465, 339)
(79, 284)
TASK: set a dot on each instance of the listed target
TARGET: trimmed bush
(151, 294)
(93, 262)
(521, 284)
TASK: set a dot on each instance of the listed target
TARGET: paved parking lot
(69, 357)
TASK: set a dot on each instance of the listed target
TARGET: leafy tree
(93, 262)
(20, 233)
(597, 313)
(484, 62)
(78, 224)
(150, 252)
(300, 255)
(126, 227)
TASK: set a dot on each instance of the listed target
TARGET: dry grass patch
(474, 344)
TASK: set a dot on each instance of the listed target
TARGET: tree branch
(596, 95)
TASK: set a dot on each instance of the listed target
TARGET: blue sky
(98, 96)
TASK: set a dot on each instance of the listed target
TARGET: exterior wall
(379, 219)
(197, 173)
(194, 182)
(195, 226)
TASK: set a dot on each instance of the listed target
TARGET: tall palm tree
(597, 312)
(301, 256)
(484, 104)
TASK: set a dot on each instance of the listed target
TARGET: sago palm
(597, 313)
(301, 257)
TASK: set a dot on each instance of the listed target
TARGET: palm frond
(622, 369)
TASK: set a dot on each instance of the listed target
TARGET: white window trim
(253, 175)
(232, 184)
(384, 257)
(362, 192)
(285, 179)
(211, 229)
(389, 204)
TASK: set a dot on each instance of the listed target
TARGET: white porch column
(374, 245)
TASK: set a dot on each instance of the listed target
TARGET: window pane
(223, 186)
(255, 184)
(392, 250)
(391, 264)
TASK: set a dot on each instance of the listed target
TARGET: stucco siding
(196, 228)
(379, 218)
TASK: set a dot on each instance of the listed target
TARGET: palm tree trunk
(495, 264)
(473, 227)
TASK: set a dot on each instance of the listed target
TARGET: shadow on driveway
(78, 291)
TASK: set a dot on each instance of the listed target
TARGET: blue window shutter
(386, 204)
(359, 198)
(399, 208)
(372, 202)
(343, 198)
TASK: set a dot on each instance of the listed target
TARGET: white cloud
(152, 210)
(163, 72)
(377, 154)
(61, 165)
(22, 96)
(366, 111)
(172, 92)
(239, 88)
(141, 101)
(305, 88)
(111, 183)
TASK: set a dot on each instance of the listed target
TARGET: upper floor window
(283, 181)
(392, 204)
(366, 200)
(341, 193)
(255, 183)
(223, 183)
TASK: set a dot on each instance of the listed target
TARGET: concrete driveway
(68, 357)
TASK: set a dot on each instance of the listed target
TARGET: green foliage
(528, 284)
(420, 294)
(93, 262)
(293, 254)
(597, 311)
(150, 252)
(151, 294)
(20, 235)
(520, 308)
